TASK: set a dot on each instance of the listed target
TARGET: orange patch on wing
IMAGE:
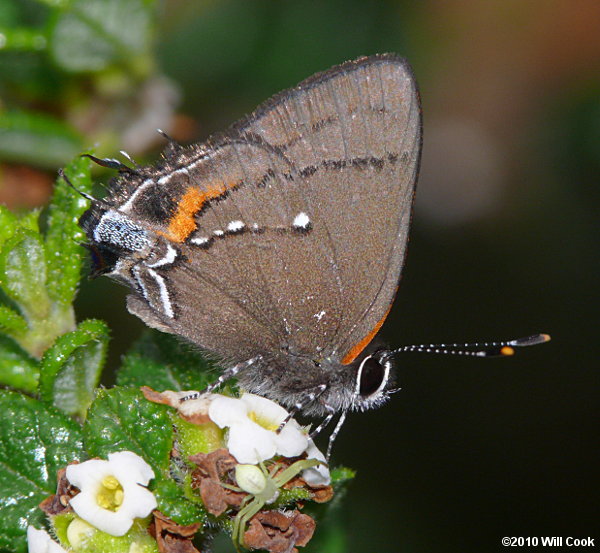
(183, 223)
(357, 348)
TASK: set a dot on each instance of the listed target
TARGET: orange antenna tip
(530, 340)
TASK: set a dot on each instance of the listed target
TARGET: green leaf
(30, 220)
(195, 438)
(122, 419)
(53, 4)
(173, 503)
(11, 321)
(91, 35)
(23, 273)
(70, 369)
(35, 441)
(340, 479)
(26, 78)
(63, 253)
(164, 362)
(9, 14)
(8, 224)
(36, 139)
(341, 475)
(17, 368)
(22, 39)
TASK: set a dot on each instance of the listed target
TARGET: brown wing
(294, 223)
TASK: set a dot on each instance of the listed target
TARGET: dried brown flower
(172, 537)
(279, 531)
(59, 503)
(214, 468)
(318, 494)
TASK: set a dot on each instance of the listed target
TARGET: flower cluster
(264, 464)
(245, 452)
(256, 433)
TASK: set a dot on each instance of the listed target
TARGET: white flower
(319, 475)
(253, 422)
(39, 541)
(112, 492)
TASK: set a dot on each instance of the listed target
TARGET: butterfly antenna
(63, 176)
(477, 349)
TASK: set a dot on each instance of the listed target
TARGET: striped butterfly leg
(226, 375)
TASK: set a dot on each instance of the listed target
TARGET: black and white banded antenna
(476, 349)
(62, 175)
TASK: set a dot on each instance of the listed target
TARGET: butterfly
(277, 246)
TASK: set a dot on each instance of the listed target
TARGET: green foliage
(122, 419)
(23, 273)
(17, 368)
(39, 275)
(26, 136)
(11, 321)
(173, 503)
(59, 57)
(64, 254)
(91, 35)
(35, 441)
(39, 272)
(70, 75)
(164, 362)
(341, 475)
(70, 369)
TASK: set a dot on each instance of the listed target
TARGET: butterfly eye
(104, 259)
(372, 376)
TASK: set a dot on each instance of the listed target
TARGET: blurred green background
(504, 240)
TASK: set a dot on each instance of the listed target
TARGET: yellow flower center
(110, 494)
(262, 421)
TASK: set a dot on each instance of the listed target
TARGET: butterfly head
(366, 383)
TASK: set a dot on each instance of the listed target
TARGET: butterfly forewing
(352, 135)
